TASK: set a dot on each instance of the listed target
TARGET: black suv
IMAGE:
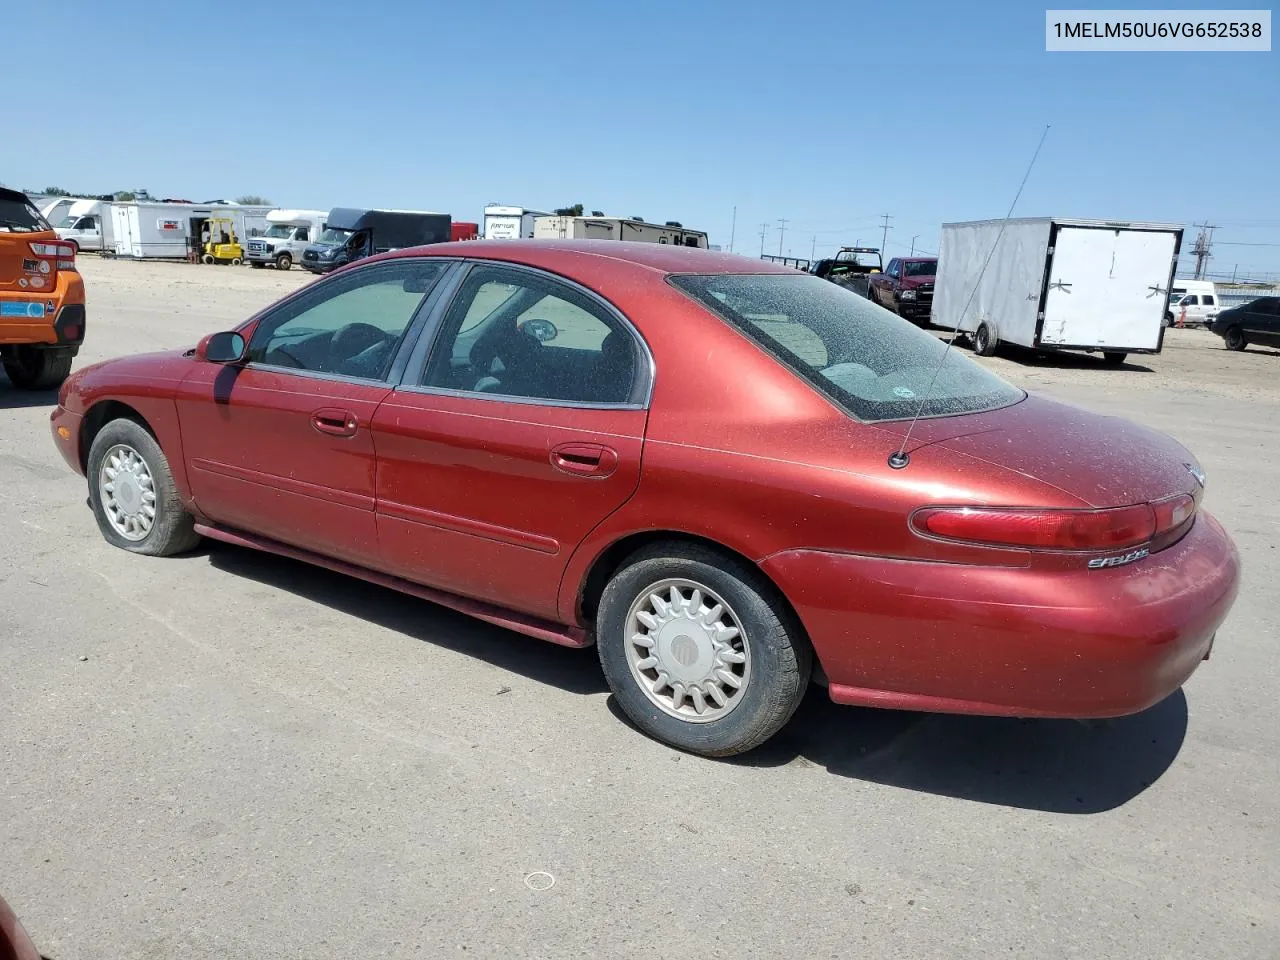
(1255, 322)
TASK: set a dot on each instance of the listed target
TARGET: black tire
(257, 264)
(32, 368)
(984, 341)
(1233, 337)
(1168, 320)
(173, 530)
(779, 654)
(284, 261)
(1114, 358)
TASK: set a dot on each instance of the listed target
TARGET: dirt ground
(232, 755)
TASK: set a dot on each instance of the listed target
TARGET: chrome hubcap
(687, 650)
(127, 492)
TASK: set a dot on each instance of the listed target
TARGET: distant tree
(124, 196)
(56, 192)
(574, 211)
(253, 200)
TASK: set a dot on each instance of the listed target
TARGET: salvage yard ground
(232, 755)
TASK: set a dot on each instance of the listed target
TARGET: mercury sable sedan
(704, 465)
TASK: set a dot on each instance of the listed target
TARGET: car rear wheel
(133, 495)
(284, 261)
(33, 368)
(984, 341)
(699, 651)
(1234, 339)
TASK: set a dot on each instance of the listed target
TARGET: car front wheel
(133, 495)
(699, 650)
(1234, 339)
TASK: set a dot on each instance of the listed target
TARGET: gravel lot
(230, 755)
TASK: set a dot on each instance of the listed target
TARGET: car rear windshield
(872, 362)
(920, 268)
(18, 216)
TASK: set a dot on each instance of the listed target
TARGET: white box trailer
(153, 230)
(616, 228)
(1057, 284)
(508, 223)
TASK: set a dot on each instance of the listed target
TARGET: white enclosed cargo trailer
(1057, 284)
(508, 223)
(147, 230)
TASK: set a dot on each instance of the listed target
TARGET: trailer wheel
(984, 342)
(1113, 358)
(1168, 319)
(284, 261)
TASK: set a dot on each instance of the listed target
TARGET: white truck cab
(288, 234)
(1192, 302)
(87, 224)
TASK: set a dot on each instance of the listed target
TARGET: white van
(1199, 298)
(88, 225)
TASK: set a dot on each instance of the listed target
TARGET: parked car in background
(42, 315)
(352, 234)
(288, 234)
(531, 432)
(906, 286)
(851, 268)
(1257, 322)
(1192, 303)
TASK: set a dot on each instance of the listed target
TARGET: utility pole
(913, 245)
(782, 231)
(884, 234)
(764, 231)
(1204, 243)
(813, 247)
(733, 227)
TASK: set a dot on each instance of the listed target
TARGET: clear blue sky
(826, 114)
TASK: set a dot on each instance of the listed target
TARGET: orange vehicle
(42, 313)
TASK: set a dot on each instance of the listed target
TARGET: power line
(884, 235)
(764, 232)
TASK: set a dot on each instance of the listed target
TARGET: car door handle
(585, 459)
(335, 422)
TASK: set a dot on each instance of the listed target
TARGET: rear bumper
(1013, 641)
(55, 317)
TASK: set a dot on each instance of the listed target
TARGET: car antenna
(900, 458)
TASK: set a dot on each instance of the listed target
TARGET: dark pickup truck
(851, 267)
(906, 286)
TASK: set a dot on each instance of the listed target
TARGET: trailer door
(1107, 288)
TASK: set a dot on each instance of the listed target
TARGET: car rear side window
(515, 333)
(19, 216)
(870, 361)
(349, 326)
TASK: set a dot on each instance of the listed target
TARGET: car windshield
(279, 231)
(332, 235)
(19, 216)
(870, 361)
(920, 268)
(68, 222)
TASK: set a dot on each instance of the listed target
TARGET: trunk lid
(1105, 461)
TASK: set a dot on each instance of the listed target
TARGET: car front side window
(514, 333)
(349, 326)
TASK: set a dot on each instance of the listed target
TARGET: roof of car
(661, 257)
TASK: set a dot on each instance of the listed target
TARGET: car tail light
(63, 254)
(1037, 529)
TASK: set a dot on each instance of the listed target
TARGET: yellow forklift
(220, 242)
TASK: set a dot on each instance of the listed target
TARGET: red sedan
(687, 459)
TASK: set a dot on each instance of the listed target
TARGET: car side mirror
(226, 347)
(541, 330)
